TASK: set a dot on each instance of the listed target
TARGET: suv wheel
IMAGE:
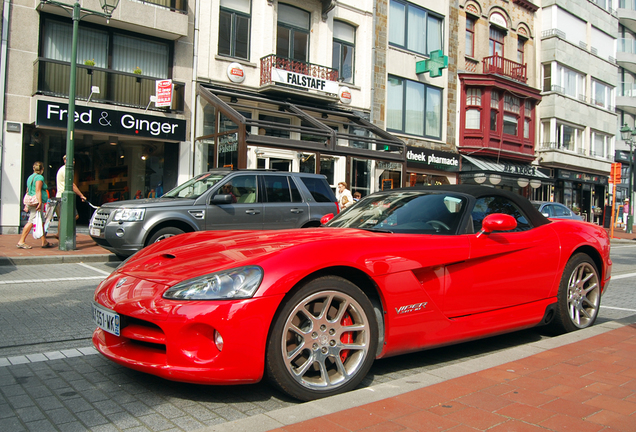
(164, 233)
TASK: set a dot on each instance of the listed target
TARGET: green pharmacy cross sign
(436, 62)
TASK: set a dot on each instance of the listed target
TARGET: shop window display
(108, 170)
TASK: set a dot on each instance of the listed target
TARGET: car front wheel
(164, 233)
(579, 297)
(323, 340)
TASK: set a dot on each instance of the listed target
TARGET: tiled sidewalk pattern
(585, 386)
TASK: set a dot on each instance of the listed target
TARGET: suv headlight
(238, 283)
(128, 215)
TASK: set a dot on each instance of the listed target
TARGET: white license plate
(95, 232)
(106, 319)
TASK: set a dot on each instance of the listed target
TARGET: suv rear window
(319, 189)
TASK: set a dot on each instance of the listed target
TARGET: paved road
(52, 379)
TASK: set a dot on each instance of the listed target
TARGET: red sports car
(402, 270)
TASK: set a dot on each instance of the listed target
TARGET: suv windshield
(405, 212)
(196, 186)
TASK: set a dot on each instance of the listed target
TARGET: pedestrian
(357, 196)
(626, 213)
(61, 184)
(36, 186)
(344, 196)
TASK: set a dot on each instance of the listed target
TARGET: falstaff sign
(304, 81)
(91, 119)
(419, 157)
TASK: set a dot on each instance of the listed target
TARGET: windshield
(195, 187)
(414, 212)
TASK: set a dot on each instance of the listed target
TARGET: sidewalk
(87, 251)
(582, 381)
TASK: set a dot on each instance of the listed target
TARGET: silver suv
(216, 200)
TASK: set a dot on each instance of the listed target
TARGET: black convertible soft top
(534, 216)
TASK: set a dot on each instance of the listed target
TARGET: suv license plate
(95, 232)
(106, 319)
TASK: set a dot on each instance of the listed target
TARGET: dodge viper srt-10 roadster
(400, 271)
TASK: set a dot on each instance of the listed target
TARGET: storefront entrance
(107, 168)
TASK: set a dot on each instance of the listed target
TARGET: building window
(473, 110)
(511, 115)
(527, 119)
(521, 44)
(125, 53)
(414, 108)
(292, 39)
(602, 143)
(344, 39)
(234, 28)
(602, 94)
(470, 36)
(565, 80)
(408, 23)
(496, 42)
(569, 137)
(547, 77)
(494, 110)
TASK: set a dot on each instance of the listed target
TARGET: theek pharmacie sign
(54, 114)
(304, 81)
(419, 157)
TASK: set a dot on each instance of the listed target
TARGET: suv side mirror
(222, 199)
(497, 222)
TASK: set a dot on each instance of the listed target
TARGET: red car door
(504, 269)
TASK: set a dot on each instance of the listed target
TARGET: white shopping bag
(38, 226)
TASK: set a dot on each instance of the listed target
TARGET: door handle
(252, 211)
(296, 210)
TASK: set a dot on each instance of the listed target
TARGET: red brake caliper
(347, 337)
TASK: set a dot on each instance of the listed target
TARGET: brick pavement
(582, 381)
(87, 250)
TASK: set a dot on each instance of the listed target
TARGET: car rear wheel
(579, 297)
(164, 233)
(323, 340)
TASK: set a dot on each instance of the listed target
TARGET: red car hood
(190, 255)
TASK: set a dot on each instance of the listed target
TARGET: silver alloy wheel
(163, 237)
(325, 340)
(584, 295)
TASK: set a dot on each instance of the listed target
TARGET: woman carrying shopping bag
(34, 202)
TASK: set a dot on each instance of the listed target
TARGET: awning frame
(378, 137)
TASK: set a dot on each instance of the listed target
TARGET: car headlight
(128, 215)
(238, 283)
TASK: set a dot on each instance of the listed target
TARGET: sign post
(615, 179)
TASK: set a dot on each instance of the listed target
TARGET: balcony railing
(502, 66)
(174, 5)
(272, 61)
(118, 88)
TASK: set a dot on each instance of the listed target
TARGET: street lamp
(627, 135)
(67, 218)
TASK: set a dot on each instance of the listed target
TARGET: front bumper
(123, 238)
(175, 339)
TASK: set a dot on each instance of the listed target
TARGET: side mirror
(497, 222)
(222, 199)
(326, 218)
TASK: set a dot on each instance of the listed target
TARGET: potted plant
(137, 71)
(91, 64)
